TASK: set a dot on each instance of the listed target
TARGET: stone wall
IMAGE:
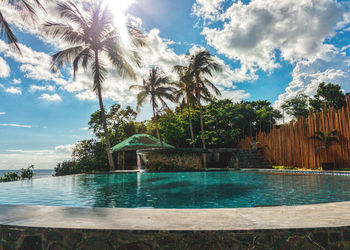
(171, 159)
(43, 238)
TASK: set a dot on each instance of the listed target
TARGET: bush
(85, 165)
(65, 168)
(27, 173)
(23, 174)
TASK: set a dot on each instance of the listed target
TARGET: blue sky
(269, 50)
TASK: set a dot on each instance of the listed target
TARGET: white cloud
(17, 81)
(51, 98)
(41, 159)
(4, 68)
(34, 88)
(65, 148)
(85, 128)
(234, 95)
(2, 113)
(208, 9)
(12, 90)
(253, 33)
(36, 65)
(332, 66)
(15, 125)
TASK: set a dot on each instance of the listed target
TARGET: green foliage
(225, 123)
(27, 173)
(23, 174)
(328, 95)
(298, 106)
(121, 124)
(156, 88)
(88, 156)
(65, 168)
(284, 167)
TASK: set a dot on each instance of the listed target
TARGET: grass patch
(294, 168)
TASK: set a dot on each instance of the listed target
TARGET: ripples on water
(178, 190)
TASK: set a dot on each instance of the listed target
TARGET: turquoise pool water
(179, 190)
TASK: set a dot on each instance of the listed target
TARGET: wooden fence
(290, 144)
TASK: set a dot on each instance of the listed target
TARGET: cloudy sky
(269, 49)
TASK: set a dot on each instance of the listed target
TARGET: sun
(118, 8)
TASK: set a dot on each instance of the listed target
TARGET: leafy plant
(23, 174)
(327, 140)
(27, 173)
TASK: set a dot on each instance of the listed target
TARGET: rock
(31, 242)
(54, 236)
(57, 246)
(11, 235)
(135, 246)
(95, 243)
(73, 238)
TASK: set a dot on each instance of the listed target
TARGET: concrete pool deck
(281, 217)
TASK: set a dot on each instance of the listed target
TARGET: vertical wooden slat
(289, 145)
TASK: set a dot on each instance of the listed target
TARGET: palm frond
(212, 87)
(7, 34)
(71, 12)
(141, 98)
(64, 56)
(332, 133)
(64, 32)
(99, 74)
(136, 87)
(86, 55)
(136, 36)
(115, 55)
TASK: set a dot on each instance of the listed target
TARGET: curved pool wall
(321, 226)
(212, 189)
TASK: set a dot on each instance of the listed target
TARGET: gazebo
(129, 146)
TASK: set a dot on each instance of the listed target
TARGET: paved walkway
(306, 216)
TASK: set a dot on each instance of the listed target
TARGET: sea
(39, 173)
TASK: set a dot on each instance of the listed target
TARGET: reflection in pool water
(178, 190)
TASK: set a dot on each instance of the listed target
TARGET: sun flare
(118, 8)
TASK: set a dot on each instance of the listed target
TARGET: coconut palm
(202, 65)
(94, 40)
(157, 88)
(185, 94)
(27, 9)
(327, 139)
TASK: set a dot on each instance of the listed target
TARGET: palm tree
(94, 37)
(327, 139)
(201, 65)
(185, 93)
(27, 8)
(155, 87)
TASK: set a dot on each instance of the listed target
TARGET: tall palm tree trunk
(103, 115)
(191, 127)
(202, 126)
(156, 121)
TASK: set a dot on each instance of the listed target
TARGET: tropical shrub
(23, 174)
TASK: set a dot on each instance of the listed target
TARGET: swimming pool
(179, 190)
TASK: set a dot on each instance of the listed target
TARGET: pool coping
(328, 215)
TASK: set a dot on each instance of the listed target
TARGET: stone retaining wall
(44, 238)
(171, 160)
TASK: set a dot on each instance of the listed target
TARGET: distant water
(39, 173)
